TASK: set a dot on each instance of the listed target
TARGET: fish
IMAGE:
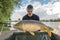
(32, 25)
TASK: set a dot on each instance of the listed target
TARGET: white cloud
(22, 11)
(53, 1)
(43, 11)
(52, 8)
(56, 8)
(59, 15)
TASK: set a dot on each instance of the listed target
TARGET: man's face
(29, 11)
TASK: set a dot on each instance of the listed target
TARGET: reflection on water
(55, 26)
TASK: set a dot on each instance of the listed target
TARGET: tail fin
(49, 33)
(48, 30)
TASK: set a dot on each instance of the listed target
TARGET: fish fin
(32, 33)
(43, 28)
(46, 28)
(49, 33)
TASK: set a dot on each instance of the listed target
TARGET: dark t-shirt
(33, 17)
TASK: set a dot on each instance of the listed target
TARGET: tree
(6, 8)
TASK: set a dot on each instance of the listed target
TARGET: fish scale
(31, 26)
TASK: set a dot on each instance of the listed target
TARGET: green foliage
(6, 8)
(51, 20)
(5, 28)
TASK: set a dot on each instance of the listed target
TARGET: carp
(31, 26)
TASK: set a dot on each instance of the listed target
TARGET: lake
(55, 26)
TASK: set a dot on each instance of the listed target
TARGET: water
(55, 26)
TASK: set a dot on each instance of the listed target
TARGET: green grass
(4, 28)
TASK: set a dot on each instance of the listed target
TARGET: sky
(45, 9)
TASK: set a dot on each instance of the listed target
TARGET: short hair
(29, 7)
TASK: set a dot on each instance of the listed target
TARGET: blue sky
(24, 2)
(45, 9)
(41, 1)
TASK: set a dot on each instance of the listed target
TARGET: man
(30, 15)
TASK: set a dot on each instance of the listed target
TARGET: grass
(4, 28)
